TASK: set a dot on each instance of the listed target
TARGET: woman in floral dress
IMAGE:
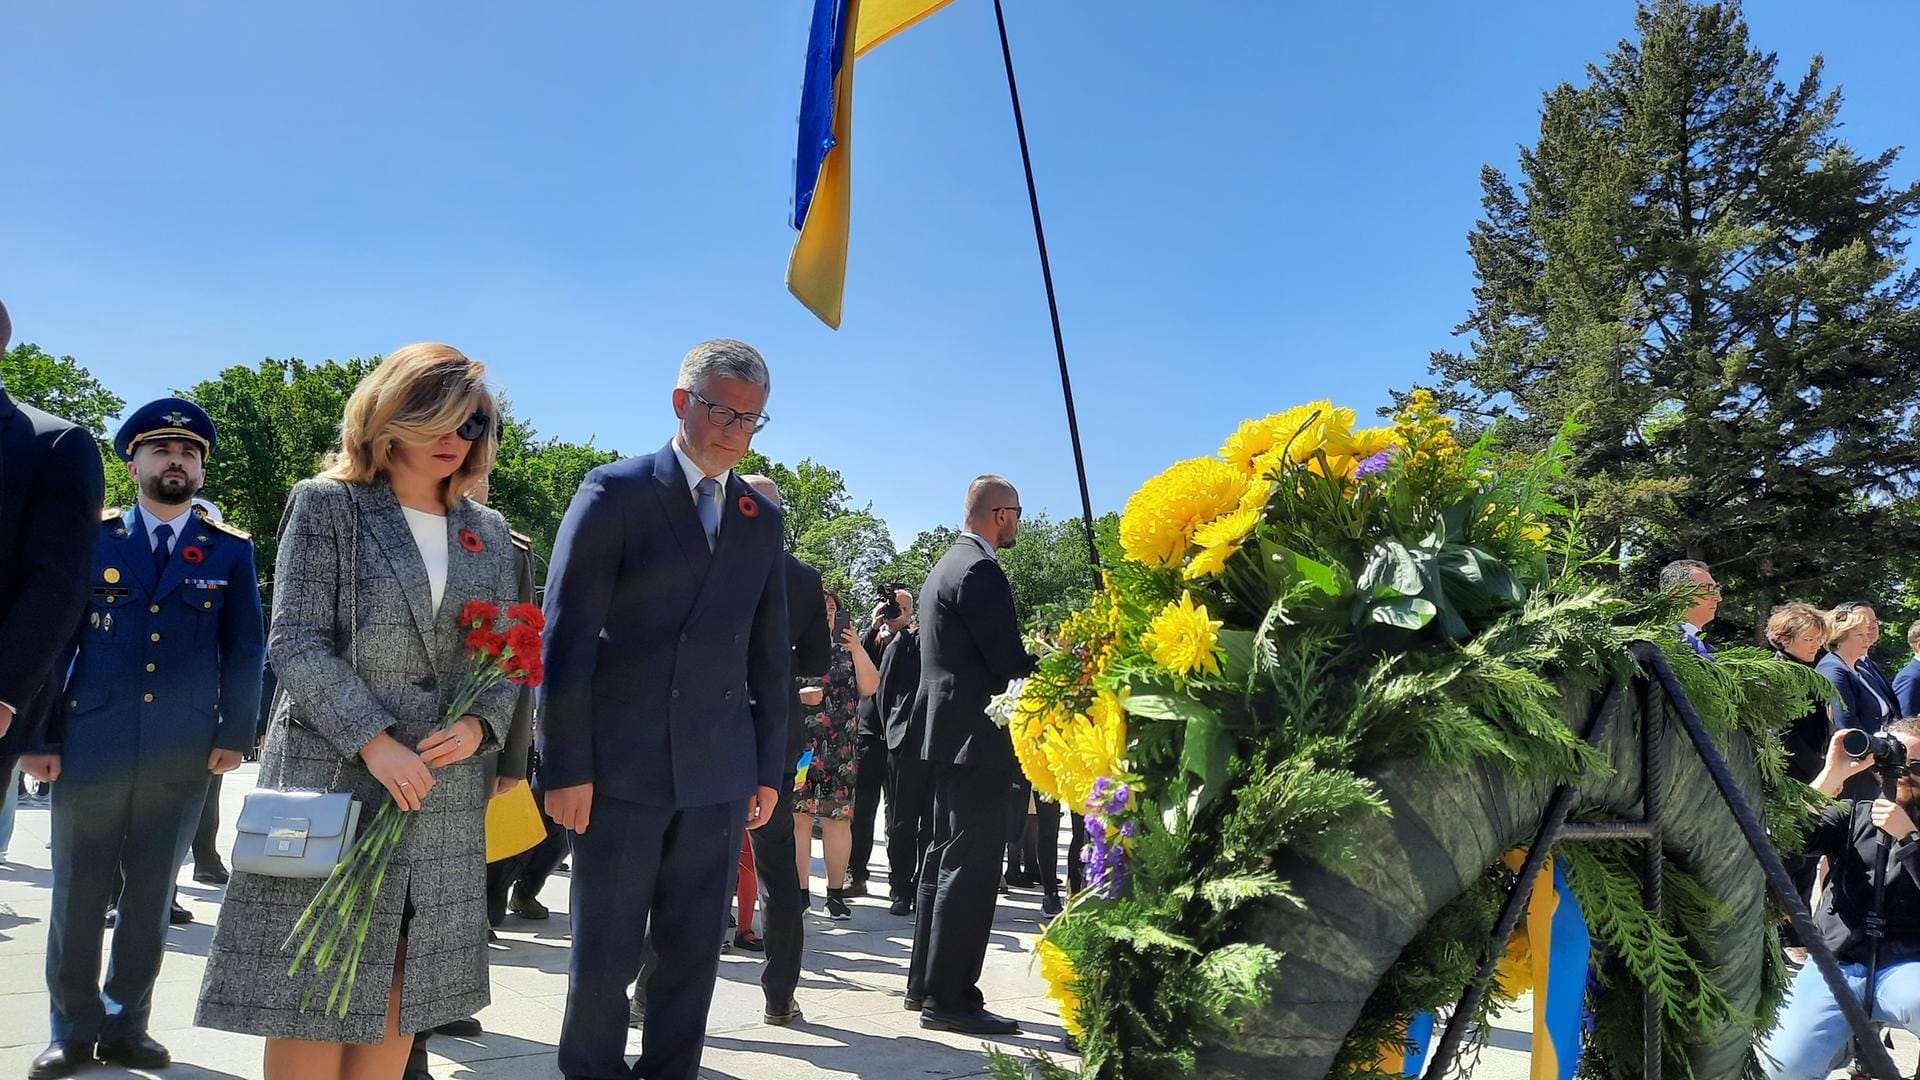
(825, 794)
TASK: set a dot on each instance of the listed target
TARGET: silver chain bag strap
(304, 834)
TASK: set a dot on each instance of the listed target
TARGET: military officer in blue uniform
(163, 690)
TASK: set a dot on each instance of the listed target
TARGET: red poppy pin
(749, 507)
(191, 554)
(470, 541)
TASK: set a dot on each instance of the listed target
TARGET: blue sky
(1248, 205)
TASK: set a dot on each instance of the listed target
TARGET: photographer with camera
(1811, 1038)
(890, 616)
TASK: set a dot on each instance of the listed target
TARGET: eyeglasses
(723, 417)
(475, 427)
(1015, 509)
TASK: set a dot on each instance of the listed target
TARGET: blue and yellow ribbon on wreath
(1549, 953)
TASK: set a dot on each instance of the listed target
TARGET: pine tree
(1698, 263)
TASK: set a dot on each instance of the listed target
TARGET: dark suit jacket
(668, 664)
(899, 691)
(1853, 706)
(812, 647)
(1906, 689)
(50, 491)
(969, 650)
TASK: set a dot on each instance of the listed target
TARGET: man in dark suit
(164, 682)
(50, 492)
(773, 843)
(1906, 684)
(970, 649)
(909, 789)
(663, 717)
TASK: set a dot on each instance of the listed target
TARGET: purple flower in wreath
(1105, 854)
(1373, 463)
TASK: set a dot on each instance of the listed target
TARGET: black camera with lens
(1888, 752)
(890, 604)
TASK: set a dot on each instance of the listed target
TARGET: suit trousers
(959, 885)
(909, 820)
(643, 872)
(102, 830)
(206, 838)
(869, 779)
(782, 916)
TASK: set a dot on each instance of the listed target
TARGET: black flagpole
(1053, 306)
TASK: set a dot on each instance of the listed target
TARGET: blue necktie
(709, 507)
(162, 536)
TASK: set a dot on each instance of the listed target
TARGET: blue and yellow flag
(1551, 954)
(823, 161)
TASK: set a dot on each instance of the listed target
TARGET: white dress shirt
(693, 474)
(153, 524)
(984, 546)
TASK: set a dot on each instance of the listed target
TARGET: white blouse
(430, 536)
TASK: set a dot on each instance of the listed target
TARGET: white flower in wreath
(1000, 706)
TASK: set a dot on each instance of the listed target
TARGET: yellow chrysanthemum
(1255, 437)
(1315, 426)
(1183, 639)
(1219, 540)
(1062, 981)
(1084, 748)
(1159, 520)
(1370, 441)
(1028, 728)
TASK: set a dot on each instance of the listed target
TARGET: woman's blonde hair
(1845, 619)
(417, 394)
(1789, 621)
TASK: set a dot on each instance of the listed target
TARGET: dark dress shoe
(134, 1052)
(211, 875)
(1022, 881)
(1050, 905)
(179, 916)
(748, 941)
(855, 887)
(783, 1015)
(901, 906)
(60, 1059)
(977, 1022)
(459, 1029)
(527, 906)
(915, 1004)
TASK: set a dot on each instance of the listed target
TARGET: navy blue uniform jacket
(1906, 687)
(1853, 706)
(168, 667)
(667, 664)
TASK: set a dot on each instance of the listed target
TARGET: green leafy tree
(912, 565)
(59, 385)
(810, 492)
(534, 480)
(849, 550)
(277, 423)
(1048, 568)
(1695, 263)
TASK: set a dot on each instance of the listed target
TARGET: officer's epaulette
(111, 513)
(520, 540)
(234, 531)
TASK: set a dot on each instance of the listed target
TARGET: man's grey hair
(6, 328)
(1677, 576)
(766, 487)
(722, 356)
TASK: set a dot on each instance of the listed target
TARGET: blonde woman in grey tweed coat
(376, 558)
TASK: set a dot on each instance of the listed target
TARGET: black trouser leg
(1043, 844)
(534, 867)
(782, 919)
(959, 886)
(1076, 874)
(869, 779)
(206, 838)
(909, 821)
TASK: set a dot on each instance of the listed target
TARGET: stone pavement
(851, 989)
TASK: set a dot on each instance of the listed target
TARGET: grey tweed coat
(350, 667)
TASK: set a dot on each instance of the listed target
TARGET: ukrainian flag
(822, 166)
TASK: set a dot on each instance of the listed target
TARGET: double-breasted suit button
(676, 693)
(153, 609)
(683, 639)
(736, 639)
(728, 695)
(153, 637)
(149, 667)
(146, 697)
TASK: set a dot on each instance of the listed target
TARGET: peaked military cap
(167, 418)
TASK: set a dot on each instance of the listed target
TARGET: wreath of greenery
(1315, 600)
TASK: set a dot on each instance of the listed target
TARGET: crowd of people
(1838, 866)
(707, 708)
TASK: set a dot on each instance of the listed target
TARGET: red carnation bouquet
(336, 921)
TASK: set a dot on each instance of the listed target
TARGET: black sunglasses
(475, 427)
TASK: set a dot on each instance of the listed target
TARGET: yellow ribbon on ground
(514, 824)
